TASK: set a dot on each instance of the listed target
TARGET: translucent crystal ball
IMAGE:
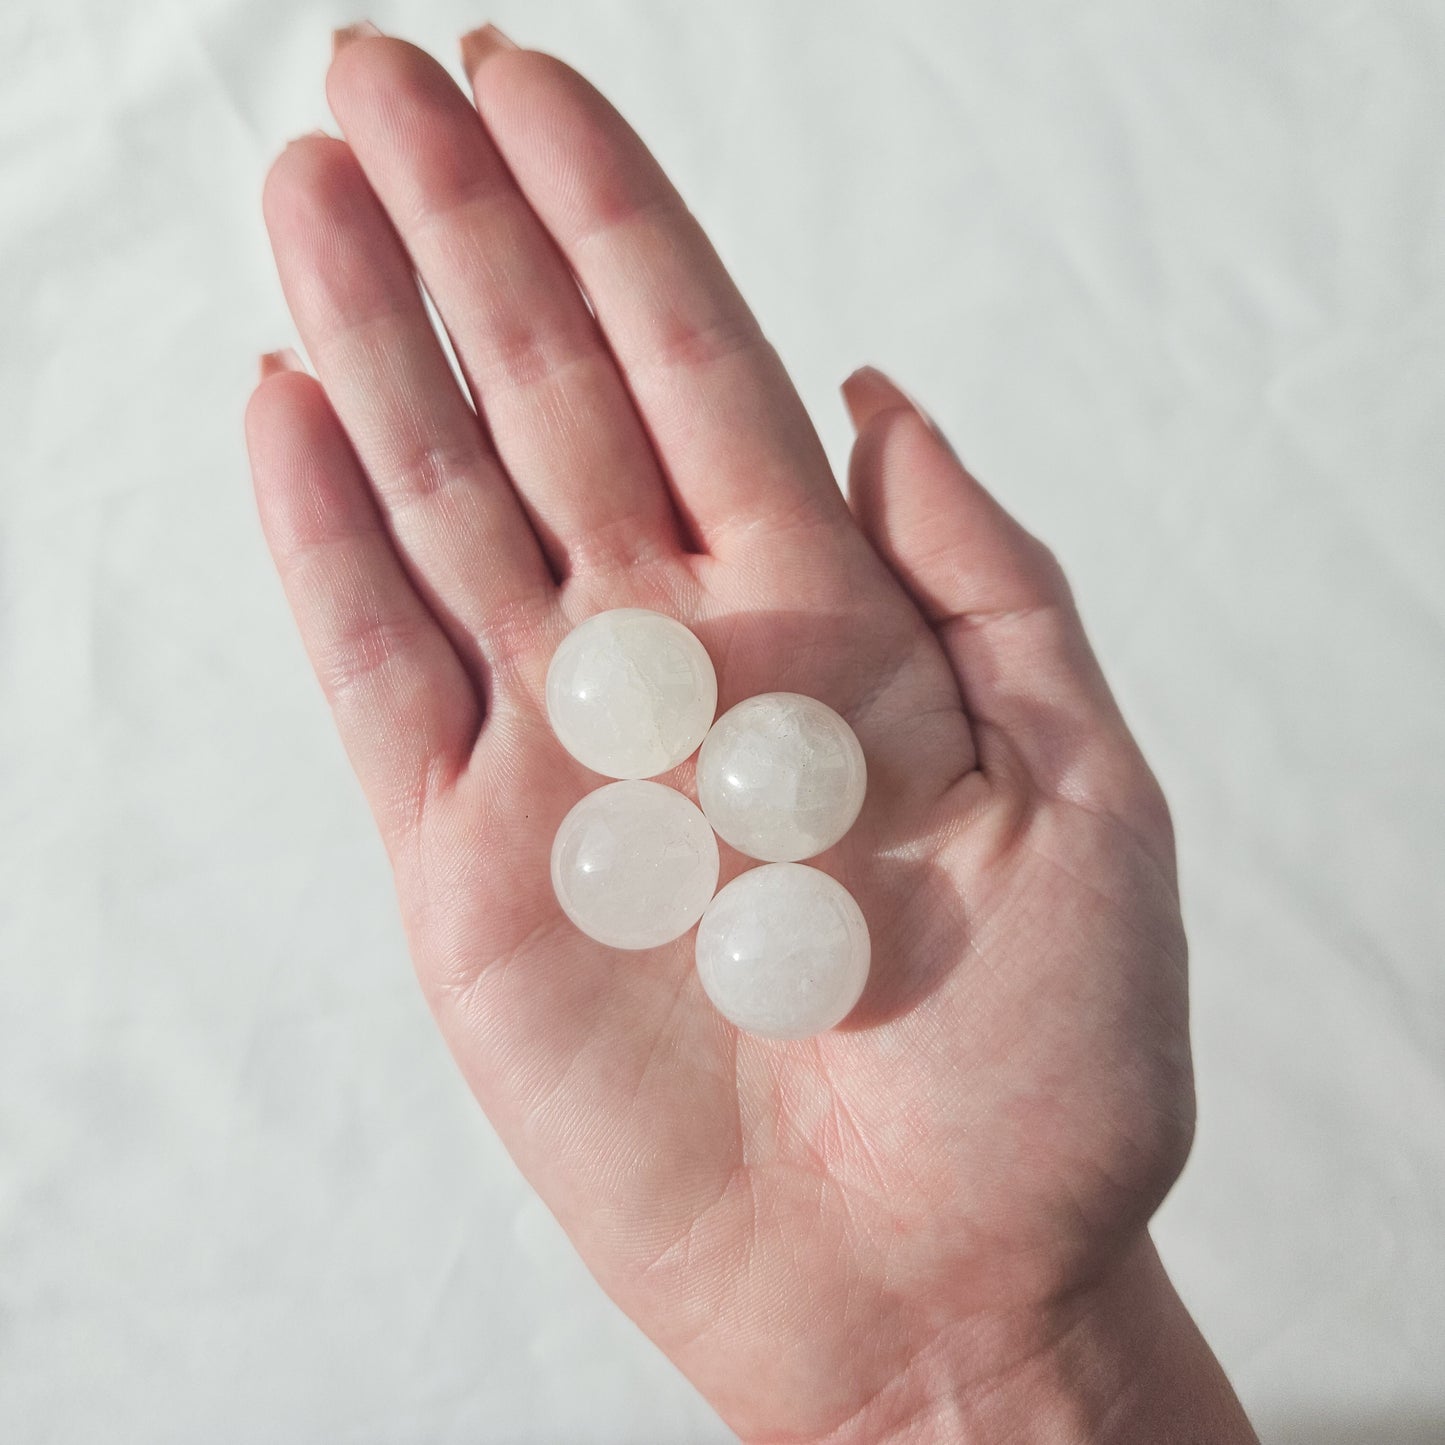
(631, 693)
(781, 776)
(783, 951)
(634, 864)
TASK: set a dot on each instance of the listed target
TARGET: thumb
(999, 605)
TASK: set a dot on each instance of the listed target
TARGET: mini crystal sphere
(781, 776)
(631, 693)
(783, 951)
(634, 864)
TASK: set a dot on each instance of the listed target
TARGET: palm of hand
(1010, 1099)
(999, 1111)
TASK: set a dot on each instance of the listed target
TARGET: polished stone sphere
(634, 864)
(783, 951)
(781, 776)
(631, 693)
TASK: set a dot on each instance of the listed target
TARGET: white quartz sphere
(631, 693)
(783, 951)
(634, 864)
(781, 776)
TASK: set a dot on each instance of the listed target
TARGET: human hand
(929, 1222)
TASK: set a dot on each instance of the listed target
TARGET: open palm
(801, 1226)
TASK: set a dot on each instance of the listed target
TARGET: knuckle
(696, 345)
(526, 354)
(429, 468)
(362, 651)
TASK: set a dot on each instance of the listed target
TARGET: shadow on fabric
(1344, 1428)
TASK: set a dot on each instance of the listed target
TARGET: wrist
(1121, 1363)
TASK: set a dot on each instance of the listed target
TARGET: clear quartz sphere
(631, 693)
(781, 776)
(634, 864)
(783, 951)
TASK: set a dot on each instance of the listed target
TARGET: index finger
(731, 431)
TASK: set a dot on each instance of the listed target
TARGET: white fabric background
(1171, 277)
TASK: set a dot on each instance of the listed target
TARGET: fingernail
(477, 45)
(343, 37)
(284, 360)
(868, 391)
(305, 135)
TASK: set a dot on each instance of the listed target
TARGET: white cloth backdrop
(1169, 275)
